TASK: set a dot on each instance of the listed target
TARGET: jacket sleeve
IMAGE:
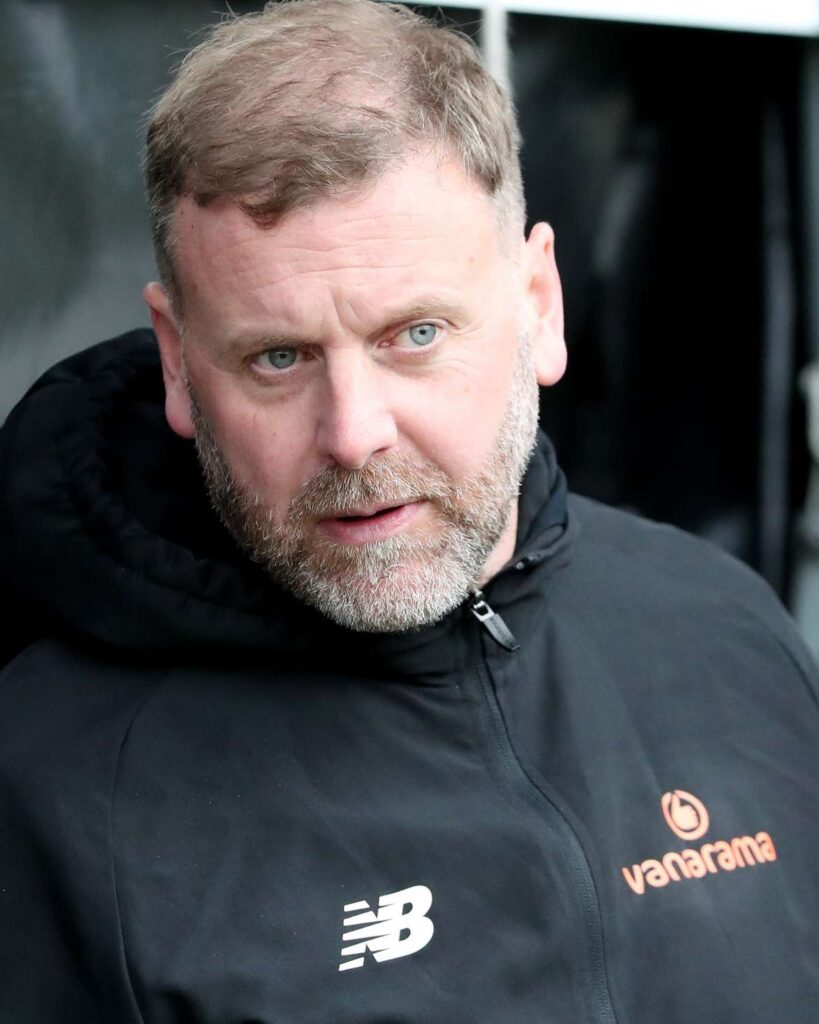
(61, 953)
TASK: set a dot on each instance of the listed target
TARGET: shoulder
(66, 706)
(689, 590)
(657, 554)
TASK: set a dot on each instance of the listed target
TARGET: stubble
(399, 583)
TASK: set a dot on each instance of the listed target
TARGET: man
(384, 739)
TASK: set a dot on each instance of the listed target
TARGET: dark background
(667, 159)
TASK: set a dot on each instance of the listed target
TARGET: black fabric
(198, 774)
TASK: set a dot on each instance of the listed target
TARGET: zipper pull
(492, 622)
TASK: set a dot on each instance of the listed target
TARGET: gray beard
(403, 582)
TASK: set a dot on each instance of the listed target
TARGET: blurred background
(675, 151)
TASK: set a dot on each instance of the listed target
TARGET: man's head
(311, 99)
(352, 325)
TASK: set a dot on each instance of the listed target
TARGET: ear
(177, 395)
(543, 302)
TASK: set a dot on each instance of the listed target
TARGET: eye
(421, 335)
(277, 358)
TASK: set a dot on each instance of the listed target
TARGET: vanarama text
(725, 855)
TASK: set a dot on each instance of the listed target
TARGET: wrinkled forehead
(423, 219)
(416, 184)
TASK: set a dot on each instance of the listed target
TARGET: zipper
(491, 621)
(520, 782)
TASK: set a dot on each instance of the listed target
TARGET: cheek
(455, 422)
(263, 451)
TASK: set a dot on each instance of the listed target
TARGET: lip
(378, 522)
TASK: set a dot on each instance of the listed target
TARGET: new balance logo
(400, 927)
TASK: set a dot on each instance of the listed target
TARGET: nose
(355, 421)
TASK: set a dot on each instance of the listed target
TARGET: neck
(503, 550)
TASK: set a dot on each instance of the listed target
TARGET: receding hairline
(509, 230)
(352, 122)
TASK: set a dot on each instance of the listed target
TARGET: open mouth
(364, 526)
(377, 514)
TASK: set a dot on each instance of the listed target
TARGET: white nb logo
(399, 914)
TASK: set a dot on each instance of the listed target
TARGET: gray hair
(311, 99)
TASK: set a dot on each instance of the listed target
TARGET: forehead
(422, 226)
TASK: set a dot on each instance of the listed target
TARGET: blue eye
(279, 358)
(422, 334)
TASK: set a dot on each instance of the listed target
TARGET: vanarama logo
(688, 819)
(685, 815)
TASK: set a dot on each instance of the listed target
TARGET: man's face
(362, 406)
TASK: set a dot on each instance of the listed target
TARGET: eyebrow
(241, 344)
(427, 305)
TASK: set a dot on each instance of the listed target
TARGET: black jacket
(201, 780)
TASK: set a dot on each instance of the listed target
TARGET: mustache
(386, 480)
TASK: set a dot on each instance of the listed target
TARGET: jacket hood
(107, 534)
